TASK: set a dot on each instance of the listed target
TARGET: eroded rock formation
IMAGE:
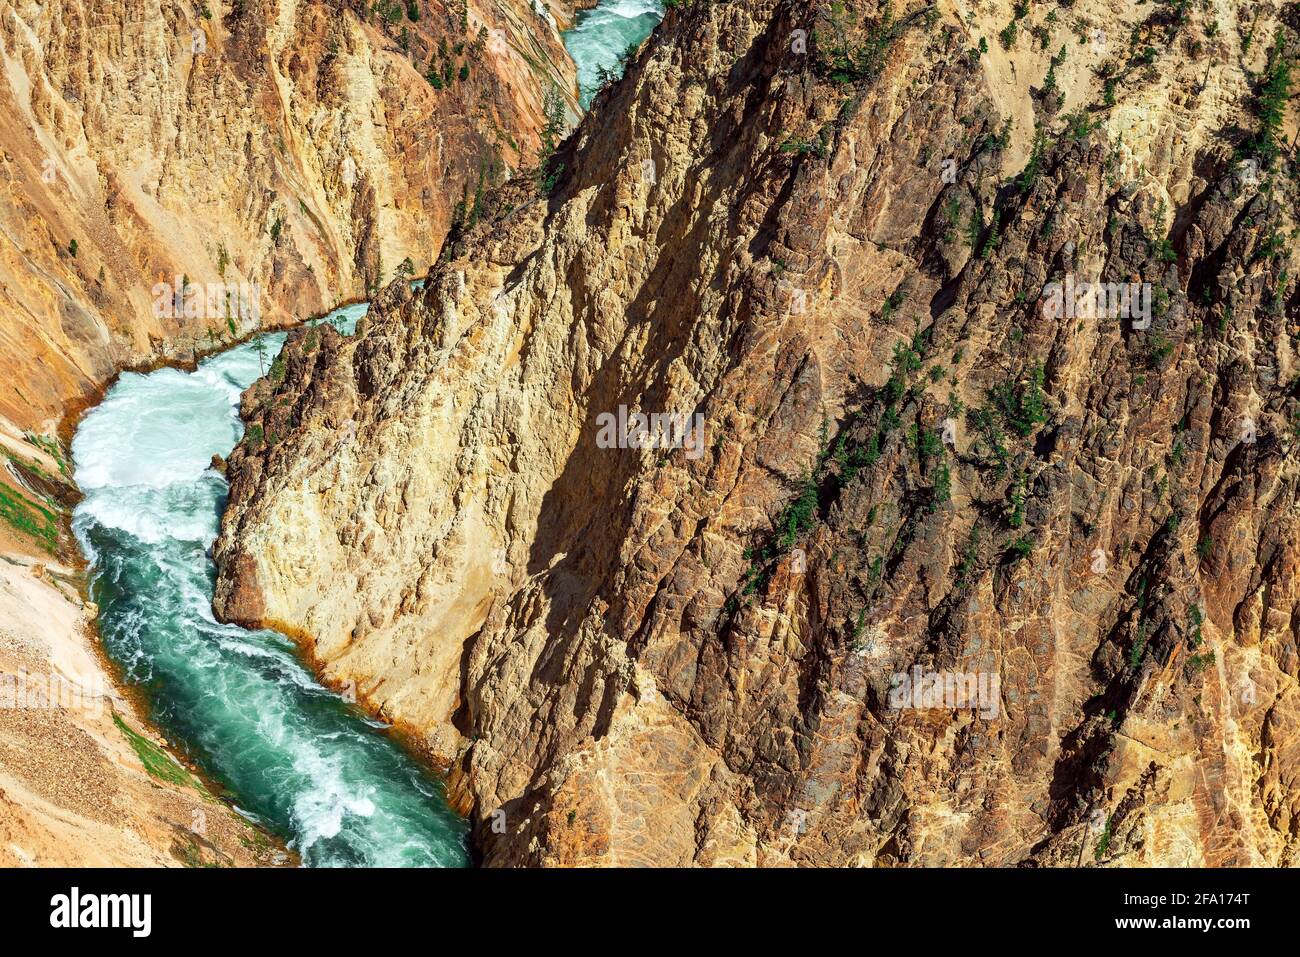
(300, 149)
(844, 241)
(303, 148)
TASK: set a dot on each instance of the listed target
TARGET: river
(291, 754)
(602, 36)
(288, 753)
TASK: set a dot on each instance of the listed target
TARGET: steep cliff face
(854, 241)
(257, 161)
(302, 149)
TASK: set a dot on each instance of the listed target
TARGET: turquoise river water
(602, 36)
(293, 755)
(289, 753)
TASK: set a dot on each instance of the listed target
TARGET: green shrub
(157, 762)
(551, 134)
(1271, 101)
(30, 518)
(1030, 173)
(845, 62)
(1022, 406)
(1139, 647)
(942, 486)
(1103, 844)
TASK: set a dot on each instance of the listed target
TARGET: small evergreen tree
(552, 134)
(1271, 103)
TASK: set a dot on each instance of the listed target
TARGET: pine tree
(553, 129)
(1271, 103)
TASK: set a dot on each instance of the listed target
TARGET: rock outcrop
(304, 150)
(966, 567)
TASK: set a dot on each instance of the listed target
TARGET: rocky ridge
(305, 149)
(841, 235)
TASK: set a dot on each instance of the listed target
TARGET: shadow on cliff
(588, 515)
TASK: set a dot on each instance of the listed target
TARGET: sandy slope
(73, 791)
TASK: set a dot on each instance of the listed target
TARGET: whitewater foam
(293, 754)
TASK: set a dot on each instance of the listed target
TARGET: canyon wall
(302, 148)
(853, 240)
(291, 154)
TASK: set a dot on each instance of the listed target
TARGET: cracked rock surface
(913, 468)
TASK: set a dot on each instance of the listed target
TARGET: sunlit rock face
(987, 555)
(173, 177)
(302, 150)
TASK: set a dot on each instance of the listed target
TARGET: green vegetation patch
(1103, 842)
(50, 447)
(29, 517)
(156, 761)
